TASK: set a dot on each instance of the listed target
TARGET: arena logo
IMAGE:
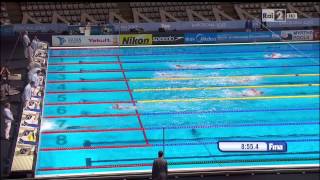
(168, 38)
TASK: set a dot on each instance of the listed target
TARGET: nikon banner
(136, 39)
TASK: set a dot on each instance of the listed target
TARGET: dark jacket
(159, 169)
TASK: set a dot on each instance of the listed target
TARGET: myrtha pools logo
(69, 40)
(61, 40)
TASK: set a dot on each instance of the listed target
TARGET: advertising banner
(183, 25)
(158, 39)
(301, 22)
(136, 39)
(297, 35)
(81, 40)
(40, 27)
(247, 37)
(199, 38)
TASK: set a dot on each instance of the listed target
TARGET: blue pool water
(191, 93)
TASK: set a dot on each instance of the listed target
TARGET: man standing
(27, 93)
(8, 118)
(26, 42)
(35, 78)
(160, 168)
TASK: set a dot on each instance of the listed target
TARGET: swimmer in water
(252, 92)
(178, 66)
(277, 56)
(119, 107)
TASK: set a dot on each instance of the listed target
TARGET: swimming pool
(110, 110)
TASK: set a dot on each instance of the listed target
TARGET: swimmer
(118, 107)
(252, 92)
(178, 66)
(277, 56)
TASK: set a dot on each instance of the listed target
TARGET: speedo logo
(135, 40)
(168, 38)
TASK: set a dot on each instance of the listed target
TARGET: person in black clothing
(160, 168)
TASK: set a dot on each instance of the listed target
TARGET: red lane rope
(76, 81)
(133, 102)
(83, 71)
(96, 147)
(87, 91)
(86, 130)
(95, 62)
(94, 167)
(84, 55)
(94, 115)
(101, 102)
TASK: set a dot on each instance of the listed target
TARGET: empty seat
(36, 13)
(43, 13)
(49, 13)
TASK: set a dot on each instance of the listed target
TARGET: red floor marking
(94, 167)
(93, 115)
(101, 102)
(133, 102)
(87, 91)
(84, 55)
(96, 147)
(80, 81)
(96, 130)
(66, 63)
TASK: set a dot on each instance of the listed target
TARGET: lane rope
(186, 69)
(223, 87)
(184, 78)
(174, 53)
(206, 126)
(176, 61)
(149, 145)
(183, 88)
(227, 99)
